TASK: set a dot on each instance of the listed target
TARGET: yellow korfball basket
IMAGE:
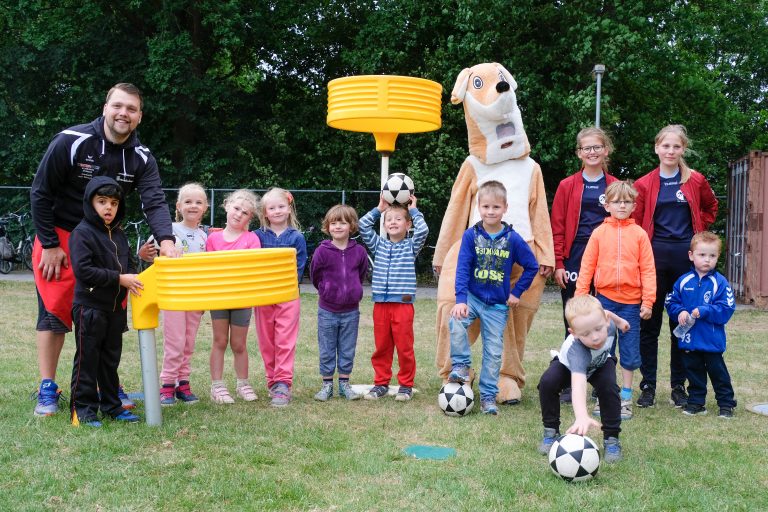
(384, 105)
(215, 280)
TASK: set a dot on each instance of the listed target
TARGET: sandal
(220, 395)
(247, 393)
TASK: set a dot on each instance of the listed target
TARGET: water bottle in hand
(682, 329)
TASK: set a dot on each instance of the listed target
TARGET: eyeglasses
(622, 203)
(592, 149)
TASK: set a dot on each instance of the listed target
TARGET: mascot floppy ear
(460, 89)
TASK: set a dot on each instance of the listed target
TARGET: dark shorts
(46, 321)
(239, 317)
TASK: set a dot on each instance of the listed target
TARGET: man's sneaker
(488, 407)
(184, 393)
(281, 395)
(345, 390)
(47, 398)
(694, 410)
(596, 410)
(326, 391)
(611, 450)
(91, 423)
(550, 435)
(726, 412)
(647, 398)
(565, 396)
(678, 398)
(124, 399)
(404, 394)
(167, 395)
(376, 392)
(127, 417)
(626, 410)
(459, 373)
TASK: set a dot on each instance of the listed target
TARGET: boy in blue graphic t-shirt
(488, 251)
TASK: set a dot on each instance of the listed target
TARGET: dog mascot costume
(498, 150)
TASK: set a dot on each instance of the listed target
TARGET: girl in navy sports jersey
(674, 202)
(578, 208)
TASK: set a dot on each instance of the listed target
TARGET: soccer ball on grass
(456, 399)
(574, 458)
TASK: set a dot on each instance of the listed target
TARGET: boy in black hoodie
(104, 274)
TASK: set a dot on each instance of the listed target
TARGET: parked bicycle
(139, 238)
(11, 252)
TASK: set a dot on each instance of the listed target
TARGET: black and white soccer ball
(456, 399)
(398, 189)
(574, 458)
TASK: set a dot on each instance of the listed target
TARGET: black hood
(90, 213)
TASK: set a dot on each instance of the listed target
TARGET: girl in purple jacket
(338, 268)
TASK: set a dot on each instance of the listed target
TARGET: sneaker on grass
(346, 391)
(281, 394)
(489, 407)
(376, 392)
(626, 410)
(184, 393)
(547, 440)
(678, 397)
(611, 450)
(125, 399)
(694, 410)
(167, 395)
(647, 398)
(726, 412)
(326, 391)
(47, 396)
(127, 417)
(404, 394)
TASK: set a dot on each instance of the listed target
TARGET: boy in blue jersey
(585, 356)
(703, 297)
(488, 251)
(393, 287)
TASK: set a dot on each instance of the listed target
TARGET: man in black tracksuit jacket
(108, 146)
(99, 254)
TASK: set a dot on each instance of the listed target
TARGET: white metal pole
(598, 72)
(384, 176)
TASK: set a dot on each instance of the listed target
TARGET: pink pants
(179, 332)
(277, 328)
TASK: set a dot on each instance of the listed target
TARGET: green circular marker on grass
(419, 451)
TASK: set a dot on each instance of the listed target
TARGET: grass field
(347, 456)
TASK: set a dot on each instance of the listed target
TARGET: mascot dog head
(494, 124)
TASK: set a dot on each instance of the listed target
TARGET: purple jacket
(338, 275)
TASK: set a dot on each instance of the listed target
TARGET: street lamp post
(597, 72)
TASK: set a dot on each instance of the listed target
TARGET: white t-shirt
(189, 240)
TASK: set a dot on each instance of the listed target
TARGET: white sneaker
(220, 395)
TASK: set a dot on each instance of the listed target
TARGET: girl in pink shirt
(230, 326)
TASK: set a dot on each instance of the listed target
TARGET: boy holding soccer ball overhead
(488, 251)
(394, 292)
(584, 356)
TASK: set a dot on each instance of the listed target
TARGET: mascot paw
(509, 391)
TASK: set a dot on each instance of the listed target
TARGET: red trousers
(393, 328)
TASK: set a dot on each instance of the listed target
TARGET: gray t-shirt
(189, 240)
(580, 359)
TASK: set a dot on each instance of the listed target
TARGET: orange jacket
(620, 258)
